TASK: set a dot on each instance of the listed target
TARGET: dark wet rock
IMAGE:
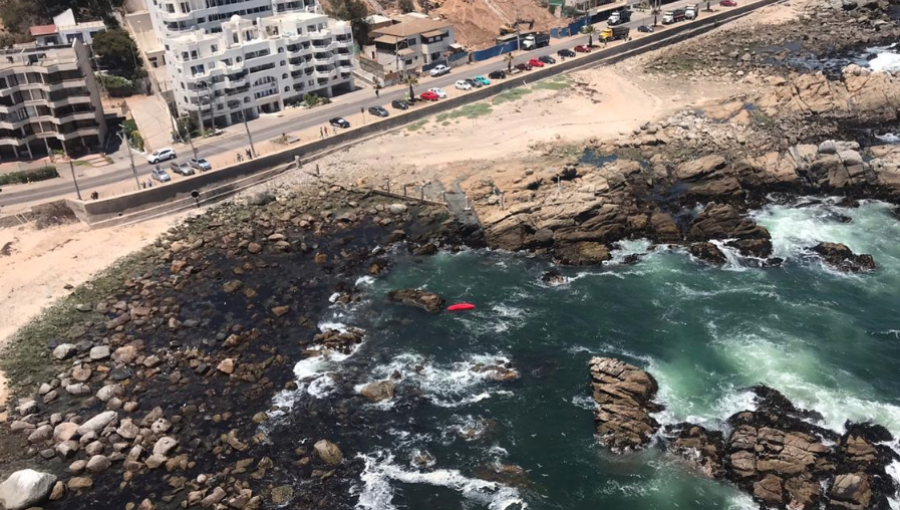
(840, 257)
(624, 395)
(708, 252)
(702, 448)
(428, 301)
(510, 475)
(723, 221)
(664, 229)
(581, 254)
(554, 277)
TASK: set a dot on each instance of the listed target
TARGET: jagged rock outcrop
(723, 221)
(708, 252)
(428, 301)
(624, 395)
(584, 253)
(775, 454)
(840, 257)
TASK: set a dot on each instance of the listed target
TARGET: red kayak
(459, 307)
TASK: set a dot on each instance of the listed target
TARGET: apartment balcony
(175, 16)
(67, 84)
(323, 61)
(78, 133)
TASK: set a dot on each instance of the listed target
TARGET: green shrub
(137, 141)
(116, 86)
(41, 174)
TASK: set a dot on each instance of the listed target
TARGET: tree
(356, 12)
(186, 127)
(407, 6)
(118, 54)
(411, 80)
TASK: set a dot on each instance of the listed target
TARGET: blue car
(482, 80)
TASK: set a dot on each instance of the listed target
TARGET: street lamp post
(74, 179)
(125, 140)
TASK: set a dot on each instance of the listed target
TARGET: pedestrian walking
(321, 132)
(239, 157)
(249, 154)
(377, 92)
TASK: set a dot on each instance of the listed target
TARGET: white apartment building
(175, 17)
(65, 30)
(252, 67)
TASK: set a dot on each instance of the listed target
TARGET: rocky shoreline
(775, 452)
(160, 390)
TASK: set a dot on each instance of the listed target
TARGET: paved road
(343, 106)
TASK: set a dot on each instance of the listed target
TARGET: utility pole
(249, 137)
(74, 179)
(131, 157)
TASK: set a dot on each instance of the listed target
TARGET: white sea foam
(889, 138)
(453, 385)
(792, 369)
(321, 386)
(887, 59)
(584, 402)
(365, 281)
(380, 470)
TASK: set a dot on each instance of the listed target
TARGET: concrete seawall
(221, 183)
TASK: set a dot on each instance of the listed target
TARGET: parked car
(339, 122)
(161, 155)
(581, 48)
(439, 70)
(523, 67)
(428, 96)
(200, 164)
(547, 59)
(535, 62)
(463, 85)
(438, 92)
(400, 104)
(158, 174)
(378, 111)
(473, 83)
(645, 28)
(181, 168)
(497, 75)
(565, 53)
(728, 3)
(482, 80)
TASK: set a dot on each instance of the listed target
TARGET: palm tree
(411, 80)
(509, 61)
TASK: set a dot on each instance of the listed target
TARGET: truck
(692, 12)
(614, 34)
(538, 40)
(675, 16)
(619, 17)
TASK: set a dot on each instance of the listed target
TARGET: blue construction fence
(494, 51)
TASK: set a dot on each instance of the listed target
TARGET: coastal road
(342, 106)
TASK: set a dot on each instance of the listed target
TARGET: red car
(583, 49)
(523, 67)
(428, 96)
(535, 63)
(728, 3)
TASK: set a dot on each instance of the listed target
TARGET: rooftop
(44, 30)
(29, 54)
(414, 27)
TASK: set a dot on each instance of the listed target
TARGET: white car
(161, 155)
(463, 85)
(439, 93)
(439, 70)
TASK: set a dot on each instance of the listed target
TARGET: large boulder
(840, 257)
(328, 452)
(378, 391)
(581, 254)
(700, 168)
(723, 221)
(428, 301)
(25, 488)
(624, 395)
(98, 423)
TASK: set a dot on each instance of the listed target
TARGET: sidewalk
(152, 117)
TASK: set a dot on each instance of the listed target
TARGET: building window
(283, 63)
(411, 41)
(214, 48)
(408, 62)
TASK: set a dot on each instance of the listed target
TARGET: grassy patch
(469, 111)
(27, 359)
(81, 163)
(415, 126)
(511, 95)
(558, 82)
